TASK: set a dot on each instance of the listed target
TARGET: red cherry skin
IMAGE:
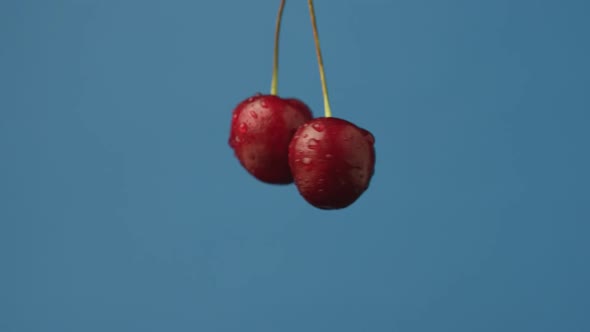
(332, 162)
(261, 128)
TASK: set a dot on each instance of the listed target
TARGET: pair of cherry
(278, 141)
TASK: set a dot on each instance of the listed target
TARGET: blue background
(122, 207)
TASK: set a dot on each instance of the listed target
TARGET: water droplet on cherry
(319, 127)
(312, 144)
(306, 161)
(253, 115)
(243, 128)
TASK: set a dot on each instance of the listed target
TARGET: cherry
(332, 161)
(262, 127)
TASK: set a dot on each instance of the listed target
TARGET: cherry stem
(274, 84)
(327, 110)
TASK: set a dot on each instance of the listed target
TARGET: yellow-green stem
(274, 84)
(327, 110)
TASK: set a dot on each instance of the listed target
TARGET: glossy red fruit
(332, 162)
(261, 128)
